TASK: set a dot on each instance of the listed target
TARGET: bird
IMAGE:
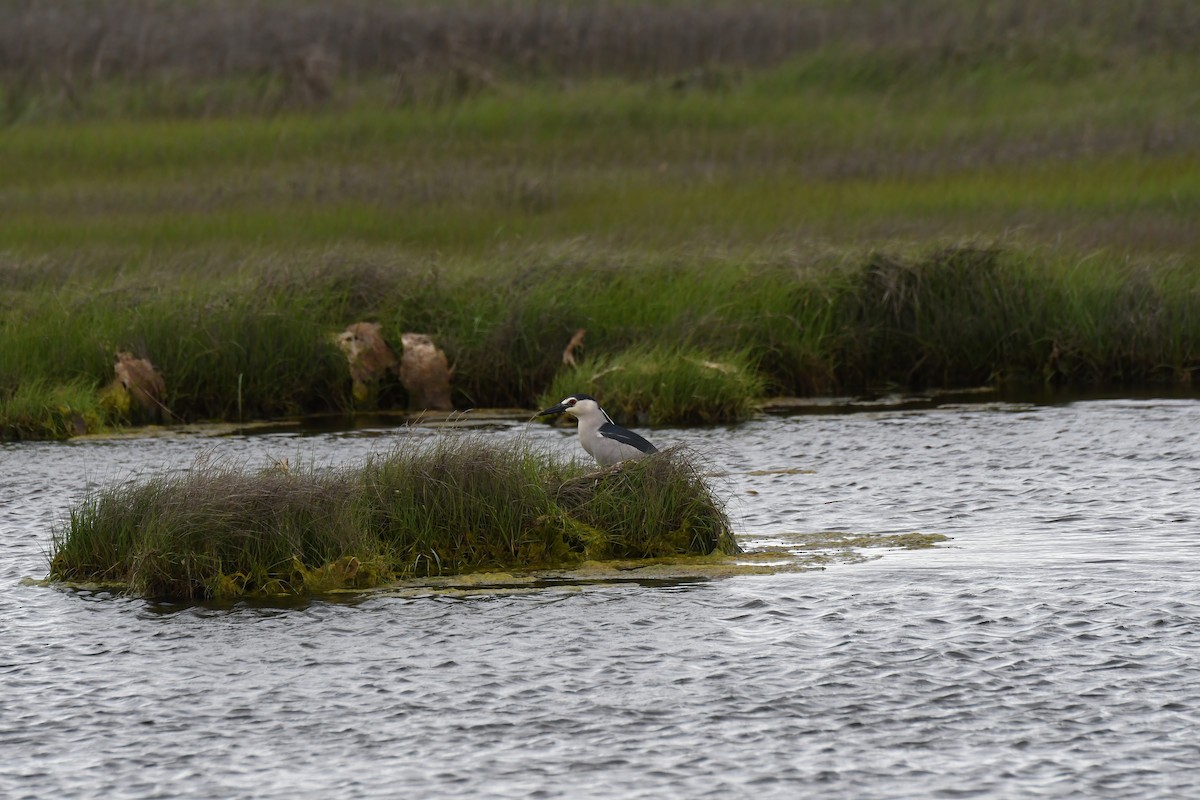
(603, 439)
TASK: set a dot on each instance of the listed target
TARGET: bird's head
(577, 405)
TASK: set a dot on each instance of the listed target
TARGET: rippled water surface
(1052, 648)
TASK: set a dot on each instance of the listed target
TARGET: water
(1051, 649)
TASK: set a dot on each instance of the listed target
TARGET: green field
(846, 196)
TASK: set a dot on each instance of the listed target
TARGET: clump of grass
(970, 315)
(39, 409)
(218, 530)
(681, 516)
(462, 504)
(949, 316)
(1130, 324)
(457, 505)
(665, 384)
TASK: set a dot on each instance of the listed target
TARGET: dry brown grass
(64, 45)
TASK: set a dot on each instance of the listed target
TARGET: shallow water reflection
(1050, 649)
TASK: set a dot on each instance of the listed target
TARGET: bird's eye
(571, 402)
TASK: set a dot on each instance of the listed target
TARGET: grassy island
(460, 504)
(823, 197)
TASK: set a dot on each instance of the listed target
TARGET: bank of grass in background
(451, 505)
(669, 339)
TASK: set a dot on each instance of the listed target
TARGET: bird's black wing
(615, 432)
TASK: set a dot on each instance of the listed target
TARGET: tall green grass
(658, 384)
(983, 315)
(224, 354)
(771, 324)
(36, 409)
(457, 505)
(960, 315)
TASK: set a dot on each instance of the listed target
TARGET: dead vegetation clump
(425, 373)
(138, 390)
(371, 360)
(422, 367)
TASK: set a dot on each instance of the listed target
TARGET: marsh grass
(458, 504)
(38, 409)
(218, 188)
(622, 520)
(984, 315)
(1103, 156)
(244, 356)
(658, 385)
(680, 339)
(948, 316)
(225, 353)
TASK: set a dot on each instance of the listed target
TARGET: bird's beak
(558, 409)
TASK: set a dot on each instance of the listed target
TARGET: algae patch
(793, 551)
(765, 555)
(775, 554)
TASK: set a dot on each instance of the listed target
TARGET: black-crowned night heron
(603, 439)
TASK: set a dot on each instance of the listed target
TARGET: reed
(963, 314)
(458, 504)
(948, 317)
(260, 356)
(620, 520)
